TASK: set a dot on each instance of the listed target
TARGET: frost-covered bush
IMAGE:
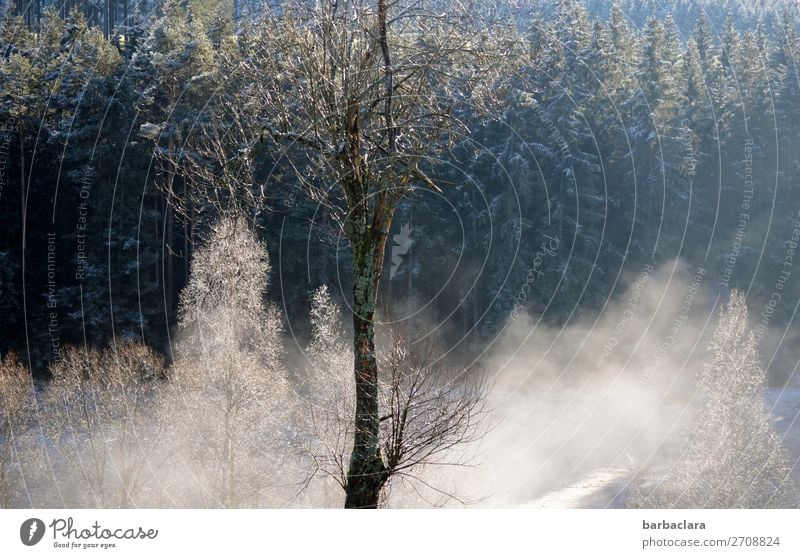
(16, 405)
(97, 415)
(733, 458)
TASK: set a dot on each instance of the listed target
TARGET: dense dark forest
(636, 134)
(628, 134)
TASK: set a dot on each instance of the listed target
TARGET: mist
(585, 412)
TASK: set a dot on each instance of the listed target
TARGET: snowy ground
(602, 488)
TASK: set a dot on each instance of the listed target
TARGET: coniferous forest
(367, 253)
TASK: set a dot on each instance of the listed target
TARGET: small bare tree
(430, 414)
(734, 458)
(329, 395)
(229, 397)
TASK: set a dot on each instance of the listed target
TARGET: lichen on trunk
(367, 472)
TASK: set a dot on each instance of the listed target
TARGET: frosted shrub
(329, 355)
(16, 405)
(98, 414)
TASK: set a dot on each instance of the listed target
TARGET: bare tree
(355, 98)
(733, 458)
(430, 414)
(368, 92)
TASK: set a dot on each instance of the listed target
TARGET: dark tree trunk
(367, 472)
(368, 227)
